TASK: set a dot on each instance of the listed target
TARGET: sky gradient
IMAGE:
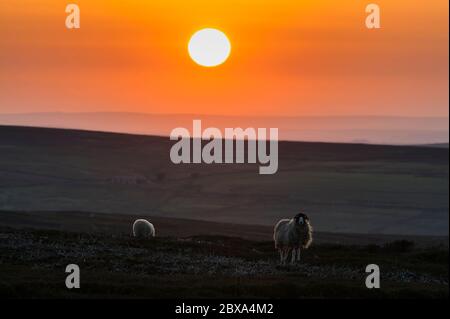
(290, 58)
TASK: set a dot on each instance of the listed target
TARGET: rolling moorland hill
(345, 188)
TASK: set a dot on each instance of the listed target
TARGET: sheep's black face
(301, 219)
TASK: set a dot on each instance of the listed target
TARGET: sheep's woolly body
(143, 229)
(306, 238)
(287, 233)
(290, 237)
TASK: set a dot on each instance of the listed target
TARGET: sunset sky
(288, 58)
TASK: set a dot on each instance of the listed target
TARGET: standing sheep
(143, 229)
(290, 235)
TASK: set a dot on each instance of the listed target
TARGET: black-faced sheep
(292, 235)
(143, 229)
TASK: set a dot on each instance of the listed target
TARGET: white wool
(281, 233)
(290, 238)
(143, 229)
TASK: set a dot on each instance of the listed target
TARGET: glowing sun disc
(209, 47)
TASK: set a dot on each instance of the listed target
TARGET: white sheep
(291, 235)
(143, 229)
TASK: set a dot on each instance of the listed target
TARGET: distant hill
(344, 129)
(439, 145)
(345, 188)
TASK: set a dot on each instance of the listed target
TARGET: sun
(209, 47)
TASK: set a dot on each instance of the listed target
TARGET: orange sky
(288, 57)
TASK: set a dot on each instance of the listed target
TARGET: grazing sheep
(290, 235)
(143, 229)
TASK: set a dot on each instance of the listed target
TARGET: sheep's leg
(294, 250)
(282, 255)
(286, 254)
(298, 254)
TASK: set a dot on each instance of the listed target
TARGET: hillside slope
(344, 187)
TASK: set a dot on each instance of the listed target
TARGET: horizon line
(225, 115)
(191, 137)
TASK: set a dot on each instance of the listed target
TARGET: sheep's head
(301, 219)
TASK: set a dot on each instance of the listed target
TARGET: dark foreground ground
(91, 222)
(33, 262)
